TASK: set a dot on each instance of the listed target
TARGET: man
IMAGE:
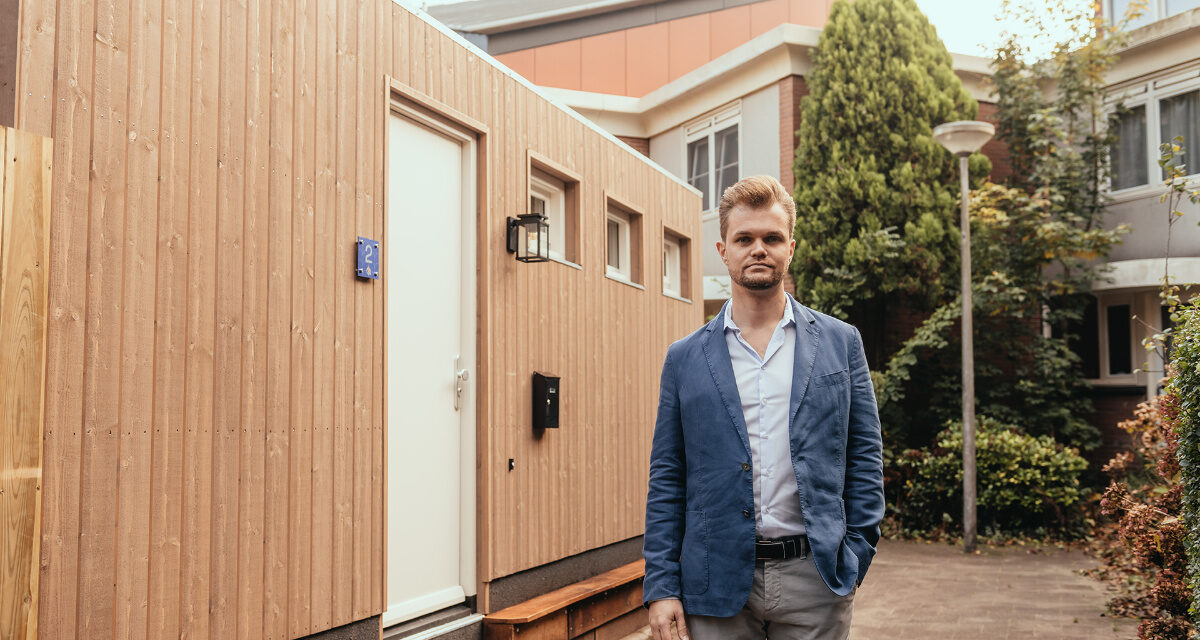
(766, 471)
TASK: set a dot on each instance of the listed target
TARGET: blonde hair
(756, 192)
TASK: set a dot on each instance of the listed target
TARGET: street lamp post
(963, 138)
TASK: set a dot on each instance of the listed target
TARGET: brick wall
(791, 90)
(995, 150)
(641, 145)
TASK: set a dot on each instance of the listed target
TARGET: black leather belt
(781, 549)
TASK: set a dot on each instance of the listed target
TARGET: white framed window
(623, 242)
(619, 261)
(672, 269)
(547, 196)
(1152, 11)
(1154, 113)
(713, 153)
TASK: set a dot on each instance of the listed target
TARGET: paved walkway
(917, 590)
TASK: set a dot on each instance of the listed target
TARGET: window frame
(1149, 94)
(683, 265)
(631, 245)
(539, 168)
(672, 266)
(621, 219)
(707, 126)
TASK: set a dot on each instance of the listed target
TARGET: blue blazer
(700, 525)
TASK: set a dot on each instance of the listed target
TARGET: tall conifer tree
(876, 195)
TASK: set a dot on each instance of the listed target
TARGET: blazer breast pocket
(832, 379)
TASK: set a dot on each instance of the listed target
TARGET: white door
(429, 274)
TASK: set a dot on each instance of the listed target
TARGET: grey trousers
(788, 601)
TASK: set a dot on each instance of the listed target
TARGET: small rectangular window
(617, 231)
(1128, 155)
(1180, 116)
(618, 245)
(1120, 349)
(553, 191)
(676, 267)
(671, 273)
(623, 243)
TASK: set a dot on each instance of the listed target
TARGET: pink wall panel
(558, 65)
(646, 64)
(522, 62)
(765, 16)
(810, 13)
(689, 44)
(603, 63)
(636, 61)
(730, 28)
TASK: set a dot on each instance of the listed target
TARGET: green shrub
(1183, 414)
(1026, 485)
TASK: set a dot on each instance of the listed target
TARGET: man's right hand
(662, 614)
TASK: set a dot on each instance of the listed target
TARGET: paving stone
(918, 590)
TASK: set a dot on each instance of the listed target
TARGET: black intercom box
(545, 401)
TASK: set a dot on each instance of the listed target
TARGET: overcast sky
(966, 26)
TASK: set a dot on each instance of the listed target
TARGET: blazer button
(746, 512)
(745, 466)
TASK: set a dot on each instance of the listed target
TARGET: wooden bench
(575, 611)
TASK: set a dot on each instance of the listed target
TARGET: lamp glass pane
(544, 240)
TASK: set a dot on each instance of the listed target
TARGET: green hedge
(1026, 485)
(1184, 416)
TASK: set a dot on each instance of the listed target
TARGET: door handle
(460, 376)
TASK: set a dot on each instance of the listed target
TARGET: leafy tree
(1035, 248)
(876, 194)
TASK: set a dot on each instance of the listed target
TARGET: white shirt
(765, 387)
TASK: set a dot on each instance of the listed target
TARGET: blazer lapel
(716, 353)
(807, 343)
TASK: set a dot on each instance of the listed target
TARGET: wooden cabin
(227, 430)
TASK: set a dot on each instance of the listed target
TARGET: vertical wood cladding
(215, 410)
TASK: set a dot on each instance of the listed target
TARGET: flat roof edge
(784, 35)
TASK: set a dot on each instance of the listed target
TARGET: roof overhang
(778, 53)
(493, 16)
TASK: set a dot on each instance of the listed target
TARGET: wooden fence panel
(25, 181)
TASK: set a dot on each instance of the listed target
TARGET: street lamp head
(963, 137)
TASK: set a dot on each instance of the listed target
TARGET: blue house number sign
(368, 258)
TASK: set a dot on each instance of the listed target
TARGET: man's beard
(758, 283)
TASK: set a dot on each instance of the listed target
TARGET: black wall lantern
(529, 237)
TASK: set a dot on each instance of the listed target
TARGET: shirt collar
(789, 316)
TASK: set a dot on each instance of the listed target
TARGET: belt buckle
(792, 552)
